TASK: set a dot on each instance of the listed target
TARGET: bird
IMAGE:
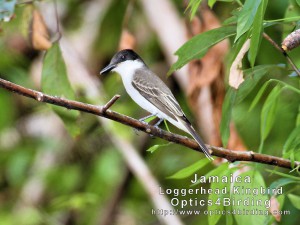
(150, 92)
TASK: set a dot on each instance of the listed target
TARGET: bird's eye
(122, 56)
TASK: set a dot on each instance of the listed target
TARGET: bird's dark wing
(155, 91)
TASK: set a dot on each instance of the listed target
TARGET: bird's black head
(119, 57)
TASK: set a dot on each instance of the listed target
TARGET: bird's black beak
(108, 68)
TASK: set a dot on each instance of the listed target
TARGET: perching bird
(150, 92)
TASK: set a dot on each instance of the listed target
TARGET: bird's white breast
(126, 70)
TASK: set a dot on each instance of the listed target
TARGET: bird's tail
(194, 134)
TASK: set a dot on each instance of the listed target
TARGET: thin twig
(230, 155)
(110, 103)
(269, 39)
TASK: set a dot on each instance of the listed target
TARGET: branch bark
(101, 111)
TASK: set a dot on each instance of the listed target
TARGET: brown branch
(269, 39)
(230, 155)
(110, 103)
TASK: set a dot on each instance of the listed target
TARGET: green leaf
(190, 170)
(257, 32)
(282, 182)
(211, 3)
(280, 199)
(230, 21)
(246, 17)
(268, 112)
(229, 219)
(257, 181)
(268, 23)
(166, 124)
(212, 220)
(252, 77)
(196, 47)
(7, 8)
(215, 172)
(193, 6)
(226, 114)
(55, 82)
(295, 200)
(298, 117)
(284, 175)
(292, 10)
(155, 147)
(293, 141)
(258, 96)
(298, 2)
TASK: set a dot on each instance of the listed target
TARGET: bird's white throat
(127, 68)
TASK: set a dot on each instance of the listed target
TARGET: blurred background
(55, 170)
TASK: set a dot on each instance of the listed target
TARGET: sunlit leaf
(190, 170)
(211, 3)
(156, 147)
(246, 17)
(166, 124)
(55, 82)
(193, 7)
(196, 47)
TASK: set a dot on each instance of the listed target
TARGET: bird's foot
(156, 125)
(158, 122)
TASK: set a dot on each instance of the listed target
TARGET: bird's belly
(148, 106)
(142, 102)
